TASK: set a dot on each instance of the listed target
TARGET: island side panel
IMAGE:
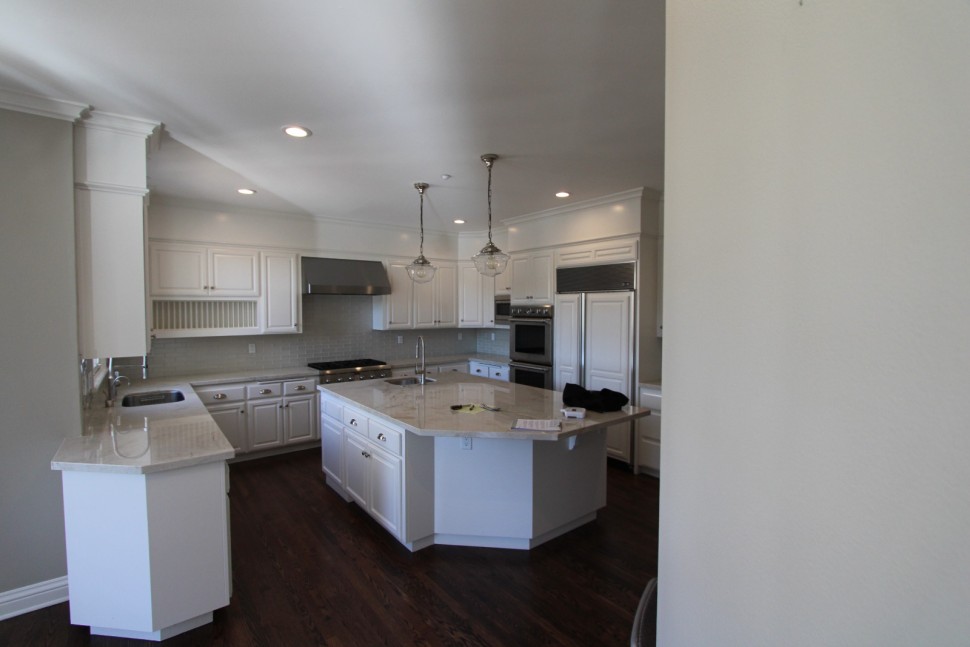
(570, 482)
(483, 495)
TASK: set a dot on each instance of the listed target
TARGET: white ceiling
(568, 93)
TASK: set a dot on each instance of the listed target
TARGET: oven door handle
(538, 368)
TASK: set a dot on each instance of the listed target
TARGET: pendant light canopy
(421, 270)
(491, 261)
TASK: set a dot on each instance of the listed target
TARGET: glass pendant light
(491, 261)
(421, 270)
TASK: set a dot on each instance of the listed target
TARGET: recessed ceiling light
(297, 131)
(445, 176)
(246, 191)
(459, 221)
(562, 194)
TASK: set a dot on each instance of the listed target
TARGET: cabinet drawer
(300, 387)
(356, 420)
(383, 436)
(650, 398)
(216, 395)
(264, 390)
(333, 408)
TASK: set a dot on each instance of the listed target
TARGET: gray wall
(39, 396)
(816, 443)
(334, 327)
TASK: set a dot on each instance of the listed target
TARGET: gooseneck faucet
(419, 366)
(113, 382)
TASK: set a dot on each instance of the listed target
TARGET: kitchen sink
(407, 381)
(152, 397)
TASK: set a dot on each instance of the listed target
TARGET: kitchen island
(434, 475)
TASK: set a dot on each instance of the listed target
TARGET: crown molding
(42, 106)
(578, 206)
(109, 121)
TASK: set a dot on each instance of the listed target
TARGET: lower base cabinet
(264, 415)
(381, 468)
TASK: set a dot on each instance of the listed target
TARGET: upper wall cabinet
(532, 277)
(281, 293)
(476, 298)
(599, 252)
(418, 305)
(195, 271)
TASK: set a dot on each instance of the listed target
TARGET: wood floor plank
(311, 569)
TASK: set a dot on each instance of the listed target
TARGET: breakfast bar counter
(431, 474)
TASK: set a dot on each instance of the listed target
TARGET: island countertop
(426, 410)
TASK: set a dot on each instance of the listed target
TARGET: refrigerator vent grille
(616, 277)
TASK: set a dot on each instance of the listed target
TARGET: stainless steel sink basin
(407, 381)
(152, 397)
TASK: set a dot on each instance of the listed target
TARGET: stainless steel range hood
(344, 276)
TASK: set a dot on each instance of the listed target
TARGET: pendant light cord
(489, 165)
(421, 217)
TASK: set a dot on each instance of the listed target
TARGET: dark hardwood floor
(310, 569)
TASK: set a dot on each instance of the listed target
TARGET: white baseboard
(32, 597)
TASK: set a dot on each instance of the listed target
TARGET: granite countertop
(426, 410)
(408, 362)
(140, 440)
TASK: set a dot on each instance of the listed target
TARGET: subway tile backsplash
(334, 328)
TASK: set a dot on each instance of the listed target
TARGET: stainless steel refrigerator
(595, 337)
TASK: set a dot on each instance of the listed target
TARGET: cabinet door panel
(331, 441)
(300, 419)
(356, 468)
(234, 273)
(232, 424)
(446, 296)
(281, 293)
(177, 271)
(386, 490)
(265, 423)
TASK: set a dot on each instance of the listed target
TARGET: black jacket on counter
(601, 401)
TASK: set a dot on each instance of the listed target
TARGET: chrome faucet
(419, 368)
(113, 381)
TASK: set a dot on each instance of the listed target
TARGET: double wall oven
(530, 345)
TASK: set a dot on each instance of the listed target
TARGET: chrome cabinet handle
(365, 454)
(265, 391)
(382, 437)
(353, 421)
(301, 387)
(219, 396)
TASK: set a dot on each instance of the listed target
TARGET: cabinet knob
(301, 387)
(265, 391)
(382, 437)
(219, 396)
(365, 454)
(353, 421)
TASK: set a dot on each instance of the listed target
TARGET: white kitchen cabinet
(395, 311)
(476, 298)
(648, 430)
(381, 467)
(178, 270)
(486, 369)
(435, 303)
(373, 479)
(300, 412)
(281, 293)
(453, 367)
(331, 444)
(598, 252)
(265, 423)
(532, 277)
(226, 403)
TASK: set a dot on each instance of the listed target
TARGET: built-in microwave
(503, 309)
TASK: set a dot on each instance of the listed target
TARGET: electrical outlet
(400, 339)
(252, 348)
(459, 336)
(493, 336)
(466, 442)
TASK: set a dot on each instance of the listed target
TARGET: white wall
(39, 392)
(816, 371)
(341, 239)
